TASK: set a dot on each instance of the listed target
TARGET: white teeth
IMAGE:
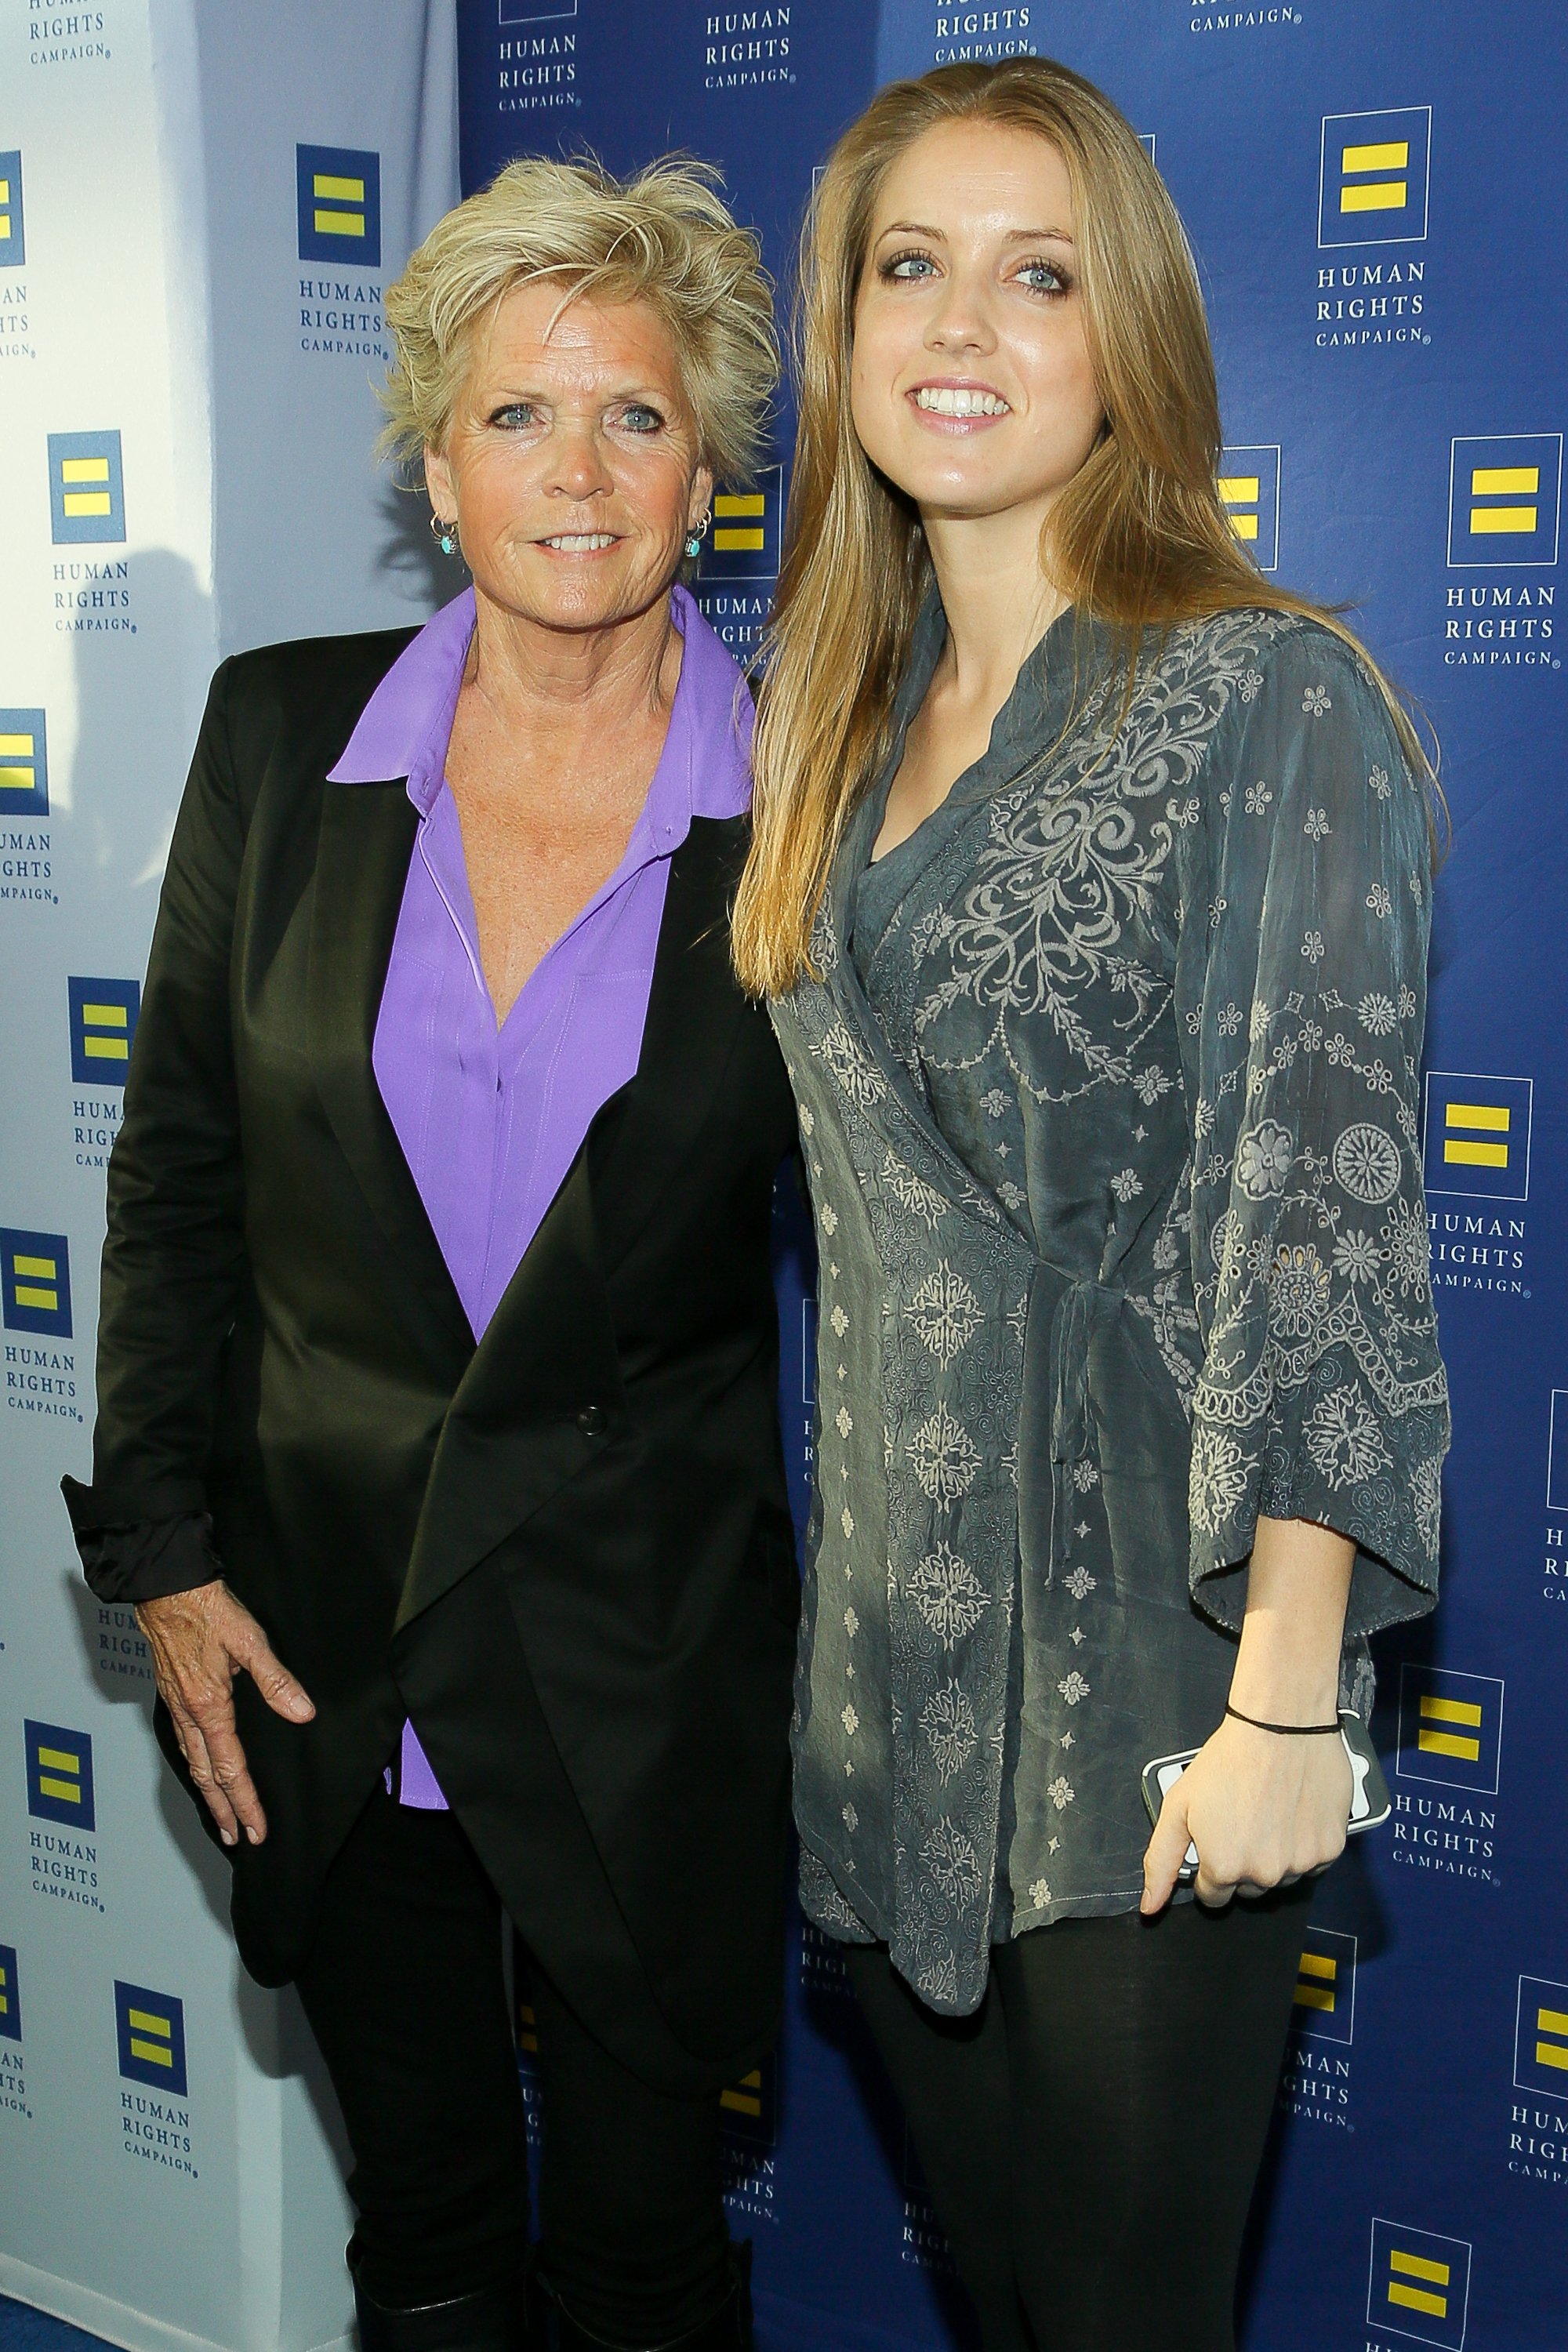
(948, 401)
(586, 543)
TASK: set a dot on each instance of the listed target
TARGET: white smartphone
(1371, 1803)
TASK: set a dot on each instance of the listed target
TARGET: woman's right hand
(200, 1639)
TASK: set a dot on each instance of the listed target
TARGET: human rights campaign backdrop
(1376, 193)
(199, 207)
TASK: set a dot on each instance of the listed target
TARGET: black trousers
(1091, 2136)
(404, 1990)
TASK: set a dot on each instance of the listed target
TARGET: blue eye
(910, 267)
(1043, 277)
(515, 417)
(638, 417)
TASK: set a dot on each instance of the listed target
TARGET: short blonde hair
(663, 238)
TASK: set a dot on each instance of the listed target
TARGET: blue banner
(1374, 189)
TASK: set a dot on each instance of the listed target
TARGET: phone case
(1371, 1803)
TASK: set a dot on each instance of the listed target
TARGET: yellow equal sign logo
(36, 1284)
(1470, 1133)
(1315, 1980)
(1505, 482)
(332, 193)
(1551, 2038)
(59, 1774)
(18, 761)
(739, 525)
(59, 1770)
(527, 2029)
(1388, 190)
(1449, 1727)
(10, 1996)
(1239, 494)
(744, 2097)
(115, 1020)
(151, 2037)
(1419, 2283)
(84, 487)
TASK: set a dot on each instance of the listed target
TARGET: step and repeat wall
(1375, 189)
(199, 208)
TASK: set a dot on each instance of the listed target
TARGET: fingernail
(228, 1836)
(253, 1836)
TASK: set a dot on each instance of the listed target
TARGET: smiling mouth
(581, 543)
(960, 400)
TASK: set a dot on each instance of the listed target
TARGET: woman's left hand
(1261, 1808)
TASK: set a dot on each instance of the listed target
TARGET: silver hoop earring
(694, 539)
(445, 535)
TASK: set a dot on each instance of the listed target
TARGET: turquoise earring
(445, 535)
(694, 539)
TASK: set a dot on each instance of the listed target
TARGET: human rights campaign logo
(87, 489)
(10, 1996)
(1373, 181)
(35, 1282)
(1504, 491)
(1540, 2037)
(1249, 492)
(749, 2109)
(149, 2028)
(103, 1016)
(59, 1775)
(1419, 2285)
(1450, 1728)
(13, 238)
(1324, 2007)
(24, 764)
(1478, 1135)
(747, 531)
(339, 204)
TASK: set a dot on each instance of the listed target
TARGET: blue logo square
(339, 194)
(1373, 181)
(1504, 495)
(1419, 2285)
(1478, 1135)
(87, 489)
(24, 764)
(35, 1282)
(103, 1016)
(1249, 493)
(59, 1775)
(1541, 2038)
(1324, 2007)
(10, 1996)
(1450, 1728)
(13, 237)
(149, 2028)
(746, 533)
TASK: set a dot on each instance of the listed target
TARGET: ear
(701, 499)
(439, 483)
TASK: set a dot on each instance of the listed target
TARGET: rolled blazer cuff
(141, 1560)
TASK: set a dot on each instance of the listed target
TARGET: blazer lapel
(542, 1393)
(366, 841)
(694, 1011)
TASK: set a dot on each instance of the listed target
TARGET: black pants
(405, 1993)
(1091, 2137)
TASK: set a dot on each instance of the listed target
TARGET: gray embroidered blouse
(1108, 1097)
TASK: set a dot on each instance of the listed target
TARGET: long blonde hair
(1137, 540)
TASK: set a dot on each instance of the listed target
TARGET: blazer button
(591, 1421)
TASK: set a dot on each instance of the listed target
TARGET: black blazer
(567, 1552)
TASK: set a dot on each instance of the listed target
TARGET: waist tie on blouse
(1056, 1382)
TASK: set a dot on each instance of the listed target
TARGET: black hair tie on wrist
(1287, 1730)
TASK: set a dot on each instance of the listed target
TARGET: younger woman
(1089, 886)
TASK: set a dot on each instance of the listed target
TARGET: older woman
(436, 1437)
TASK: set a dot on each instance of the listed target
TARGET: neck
(566, 680)
(998, 601)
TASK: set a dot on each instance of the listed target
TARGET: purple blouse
(491, 1118)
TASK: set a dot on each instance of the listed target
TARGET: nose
(579, 470)
(960, 318)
